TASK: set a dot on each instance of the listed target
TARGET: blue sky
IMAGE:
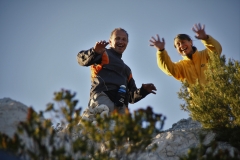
(40, 40)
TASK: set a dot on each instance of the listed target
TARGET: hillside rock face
(11, 113)
(176, 141)
(172, 143)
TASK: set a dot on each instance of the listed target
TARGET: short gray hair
(118, 29)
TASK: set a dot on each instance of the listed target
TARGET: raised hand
(157, 43)
(100, 46)
(150, 88)
(200, 32)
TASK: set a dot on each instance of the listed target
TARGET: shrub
(37, 138)
(216, 104)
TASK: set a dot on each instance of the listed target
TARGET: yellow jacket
(189, 69)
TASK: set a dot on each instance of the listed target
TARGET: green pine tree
(216, 104)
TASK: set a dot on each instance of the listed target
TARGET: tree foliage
(113, 137)
(216, 104)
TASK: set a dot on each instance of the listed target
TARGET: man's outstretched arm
(136, 94)
(93, 55)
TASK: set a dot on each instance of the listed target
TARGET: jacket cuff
(208, 39)
(143, 92)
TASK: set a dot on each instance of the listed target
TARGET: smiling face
(183, 47)
(183, 44)
(119, 40)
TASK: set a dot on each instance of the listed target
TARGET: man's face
(119, 41)
(183, 47)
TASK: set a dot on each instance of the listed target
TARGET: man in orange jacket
(109, 72)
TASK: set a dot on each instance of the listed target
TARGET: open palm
(199, 30)
(157, 43)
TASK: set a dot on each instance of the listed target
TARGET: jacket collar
(193, 55)
(115, 53)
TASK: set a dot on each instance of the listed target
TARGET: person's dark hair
(119, 29)
(182, 37)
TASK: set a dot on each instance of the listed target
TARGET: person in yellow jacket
(194, 62)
